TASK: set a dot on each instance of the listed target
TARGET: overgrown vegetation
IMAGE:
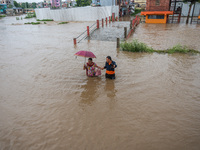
(33, 23)
(81, 3)
(45, 20)
(1, 16)
(30, 15)
(63, 23)
(136, 12)
(136, 46)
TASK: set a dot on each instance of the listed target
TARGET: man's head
(108, 59)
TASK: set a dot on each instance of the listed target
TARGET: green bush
(29, 15)
(33, 23)
(2, 16)
(63, 23)
(45, 20)
(136, 46)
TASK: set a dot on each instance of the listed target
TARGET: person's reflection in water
(110, 88)
(90, 93)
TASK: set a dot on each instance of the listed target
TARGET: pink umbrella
(85, 54)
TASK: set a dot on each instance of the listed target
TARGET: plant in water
(2, 16)
(136, 46)
(45, 20)
(17, 18)
(63, 23)
(33, 23)
(45, 23)
(29, 15)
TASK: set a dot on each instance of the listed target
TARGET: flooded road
(47, 102)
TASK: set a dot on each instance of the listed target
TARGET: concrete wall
(77, 14)
(185, 9)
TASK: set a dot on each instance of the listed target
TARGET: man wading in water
(110, 68)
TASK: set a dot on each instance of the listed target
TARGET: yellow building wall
(156, 20)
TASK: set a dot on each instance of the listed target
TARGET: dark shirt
(109, 67)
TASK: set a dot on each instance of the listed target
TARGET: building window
(156, 16)
(157, 2)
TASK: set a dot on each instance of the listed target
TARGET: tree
(192, 2)
(34, 5)
(83, 2)
(23, 5)
(16, 4)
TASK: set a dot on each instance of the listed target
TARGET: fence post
(113, 17)
(109, 19)
(88, 31)
(74, 41)
(102, 22)
(130, 24)
(106, 21)
(125, 32)
(118, 42)
(97, 24)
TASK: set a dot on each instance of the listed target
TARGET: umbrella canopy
(85, 54)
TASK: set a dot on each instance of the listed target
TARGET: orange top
(199, 17)
(157, 13)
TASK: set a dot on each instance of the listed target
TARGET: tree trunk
(189, 13)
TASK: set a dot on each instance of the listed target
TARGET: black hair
(90, 59)
(109, 57)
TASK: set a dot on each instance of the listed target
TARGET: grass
(63, 23)
(136, 12)
(136, 46)
(33, 23)
(1, 16)
(45, 20)
(30, 15)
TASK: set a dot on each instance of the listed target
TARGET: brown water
(47, 102)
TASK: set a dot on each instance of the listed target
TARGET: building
(104, 2)
(8, 2)
(157, 11)
(56, 3)
(47, 3)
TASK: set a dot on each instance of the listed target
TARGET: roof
(157, 13)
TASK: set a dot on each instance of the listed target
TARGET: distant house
(56, 3)
(157, 11)
(47, 3)
(8, 2)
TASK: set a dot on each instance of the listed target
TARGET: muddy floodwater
(48, 103)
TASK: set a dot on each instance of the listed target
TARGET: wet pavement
(47, 102)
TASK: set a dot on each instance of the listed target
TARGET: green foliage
(17, 18)
(16, 4)
(136, 46)
(45, 20)
(25, 5)
(10, 6)
(33, 23)
(136, 12)
(1, 16)
(45, 23)
(63, 23)
(34, 5)
(81, 3)
(30, 15)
